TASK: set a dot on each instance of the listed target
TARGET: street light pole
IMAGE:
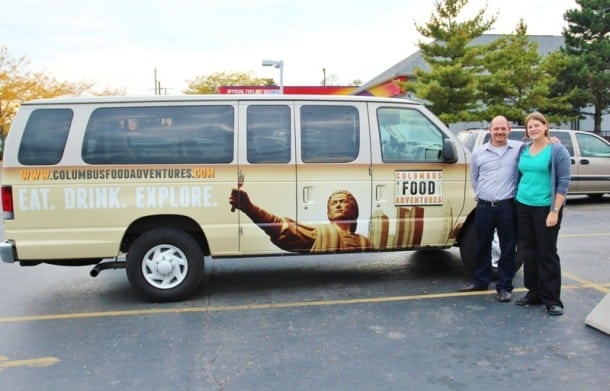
(278, 65)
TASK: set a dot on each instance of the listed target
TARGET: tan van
(159, 184)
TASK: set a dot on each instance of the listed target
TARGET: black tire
(468, 252)
(468, 246)
(165, 264)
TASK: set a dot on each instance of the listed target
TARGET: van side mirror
(449, 151)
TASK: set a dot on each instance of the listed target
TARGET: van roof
(212, 97)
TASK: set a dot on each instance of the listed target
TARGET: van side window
(160, 135)
(407, 135)
(329, 134)
(268, 134)
(44, 137)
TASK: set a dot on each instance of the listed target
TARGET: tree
(209, 84)
(450, 88)
(18, 84)
(109, 92)
(11, 78)
(518, 80)
(587, 40)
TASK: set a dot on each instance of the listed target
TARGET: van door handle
(378, 193)
(306, 194)
(584, 161)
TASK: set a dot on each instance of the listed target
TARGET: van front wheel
(165, 264)
(468, 247)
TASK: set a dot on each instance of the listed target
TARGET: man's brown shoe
(503, 296)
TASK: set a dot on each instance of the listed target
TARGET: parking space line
(584, 235)
(33, 362)
(586, 283)
(249, 307)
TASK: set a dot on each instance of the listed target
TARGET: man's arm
(474, 172)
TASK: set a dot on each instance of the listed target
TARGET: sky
(118, 44)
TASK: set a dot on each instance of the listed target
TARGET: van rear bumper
(7, 251)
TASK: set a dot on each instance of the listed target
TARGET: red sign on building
(292, 90)
(390, 88)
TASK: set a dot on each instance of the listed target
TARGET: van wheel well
(468, 243)
(463, 231)
(182, 223)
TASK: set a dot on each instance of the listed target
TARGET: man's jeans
(500, 217)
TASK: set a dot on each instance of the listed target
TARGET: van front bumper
(7, 251)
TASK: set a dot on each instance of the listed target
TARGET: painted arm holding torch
(338, 235)
(268, 222)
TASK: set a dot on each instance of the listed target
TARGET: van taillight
(7, 203)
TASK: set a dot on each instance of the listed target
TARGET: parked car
(590, 155)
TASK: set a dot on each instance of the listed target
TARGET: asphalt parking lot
(392, 321)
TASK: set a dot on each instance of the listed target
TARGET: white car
(590, 155)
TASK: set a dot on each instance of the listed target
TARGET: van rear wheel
(165, 264)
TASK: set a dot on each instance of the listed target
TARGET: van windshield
(407, 135)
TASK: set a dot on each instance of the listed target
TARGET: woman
(543, 177)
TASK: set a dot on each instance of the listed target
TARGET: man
(493, 170)
(339, 235)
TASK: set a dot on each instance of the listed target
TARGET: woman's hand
(552, 218)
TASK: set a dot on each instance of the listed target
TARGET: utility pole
(158, 85)
(158, 89)
(156, 82)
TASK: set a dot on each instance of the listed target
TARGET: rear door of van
(333, 175)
